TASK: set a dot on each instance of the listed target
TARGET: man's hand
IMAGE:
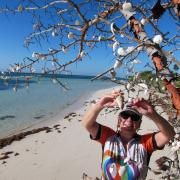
(166, 131)
(109, 100)
(89, 119)
(143, 107)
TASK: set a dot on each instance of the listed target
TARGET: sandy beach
(65, 151)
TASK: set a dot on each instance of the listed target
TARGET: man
(126, 154)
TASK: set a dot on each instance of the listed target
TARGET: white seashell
(121, 51)
(157, 79)
(127, 14)
(143, 21)
(36, 55)
(163, 88)
(77, 23)
(50, 50)
(151, 79)
(119, 101)
(140, 48)
(20, 8)
(158, 39)
(54, 34)
(33, 55)
(122, 170)
(64, 50)
(99, 38)
(129, 49)
(128, 86)
(70, 35)
(127, 6)
(117, 64)
(112, 28)
(136, 61)
(115, 46)
(113, 74)
(82, 54)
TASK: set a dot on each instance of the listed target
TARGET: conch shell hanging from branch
(120, 101)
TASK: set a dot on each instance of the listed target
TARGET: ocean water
(40, 101)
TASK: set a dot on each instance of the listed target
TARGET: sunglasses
(134, 117)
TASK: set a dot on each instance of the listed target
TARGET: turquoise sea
(42, 100)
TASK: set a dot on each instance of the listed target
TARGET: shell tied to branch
(54, 34)
(35, 55)
(121, 51)
(114, 28)
(130, 49)
(127, 10)
(127, 6)
(120, 102)
(82, 54)
(143, 21)
(127, 14)
(115, 46)
(158, 39)
(64, 49)
(20, 8)
(136, 61)
(70, 35)
(117, 64)
(128, 86)
(77, 23)
(113, 74)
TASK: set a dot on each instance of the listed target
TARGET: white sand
(66, 155)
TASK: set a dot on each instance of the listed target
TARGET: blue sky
(14, 28)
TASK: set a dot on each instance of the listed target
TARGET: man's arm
(89, 119)
(166, 131)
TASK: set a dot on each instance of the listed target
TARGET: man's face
(129, 122)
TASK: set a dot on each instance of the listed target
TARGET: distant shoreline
(17, 74)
